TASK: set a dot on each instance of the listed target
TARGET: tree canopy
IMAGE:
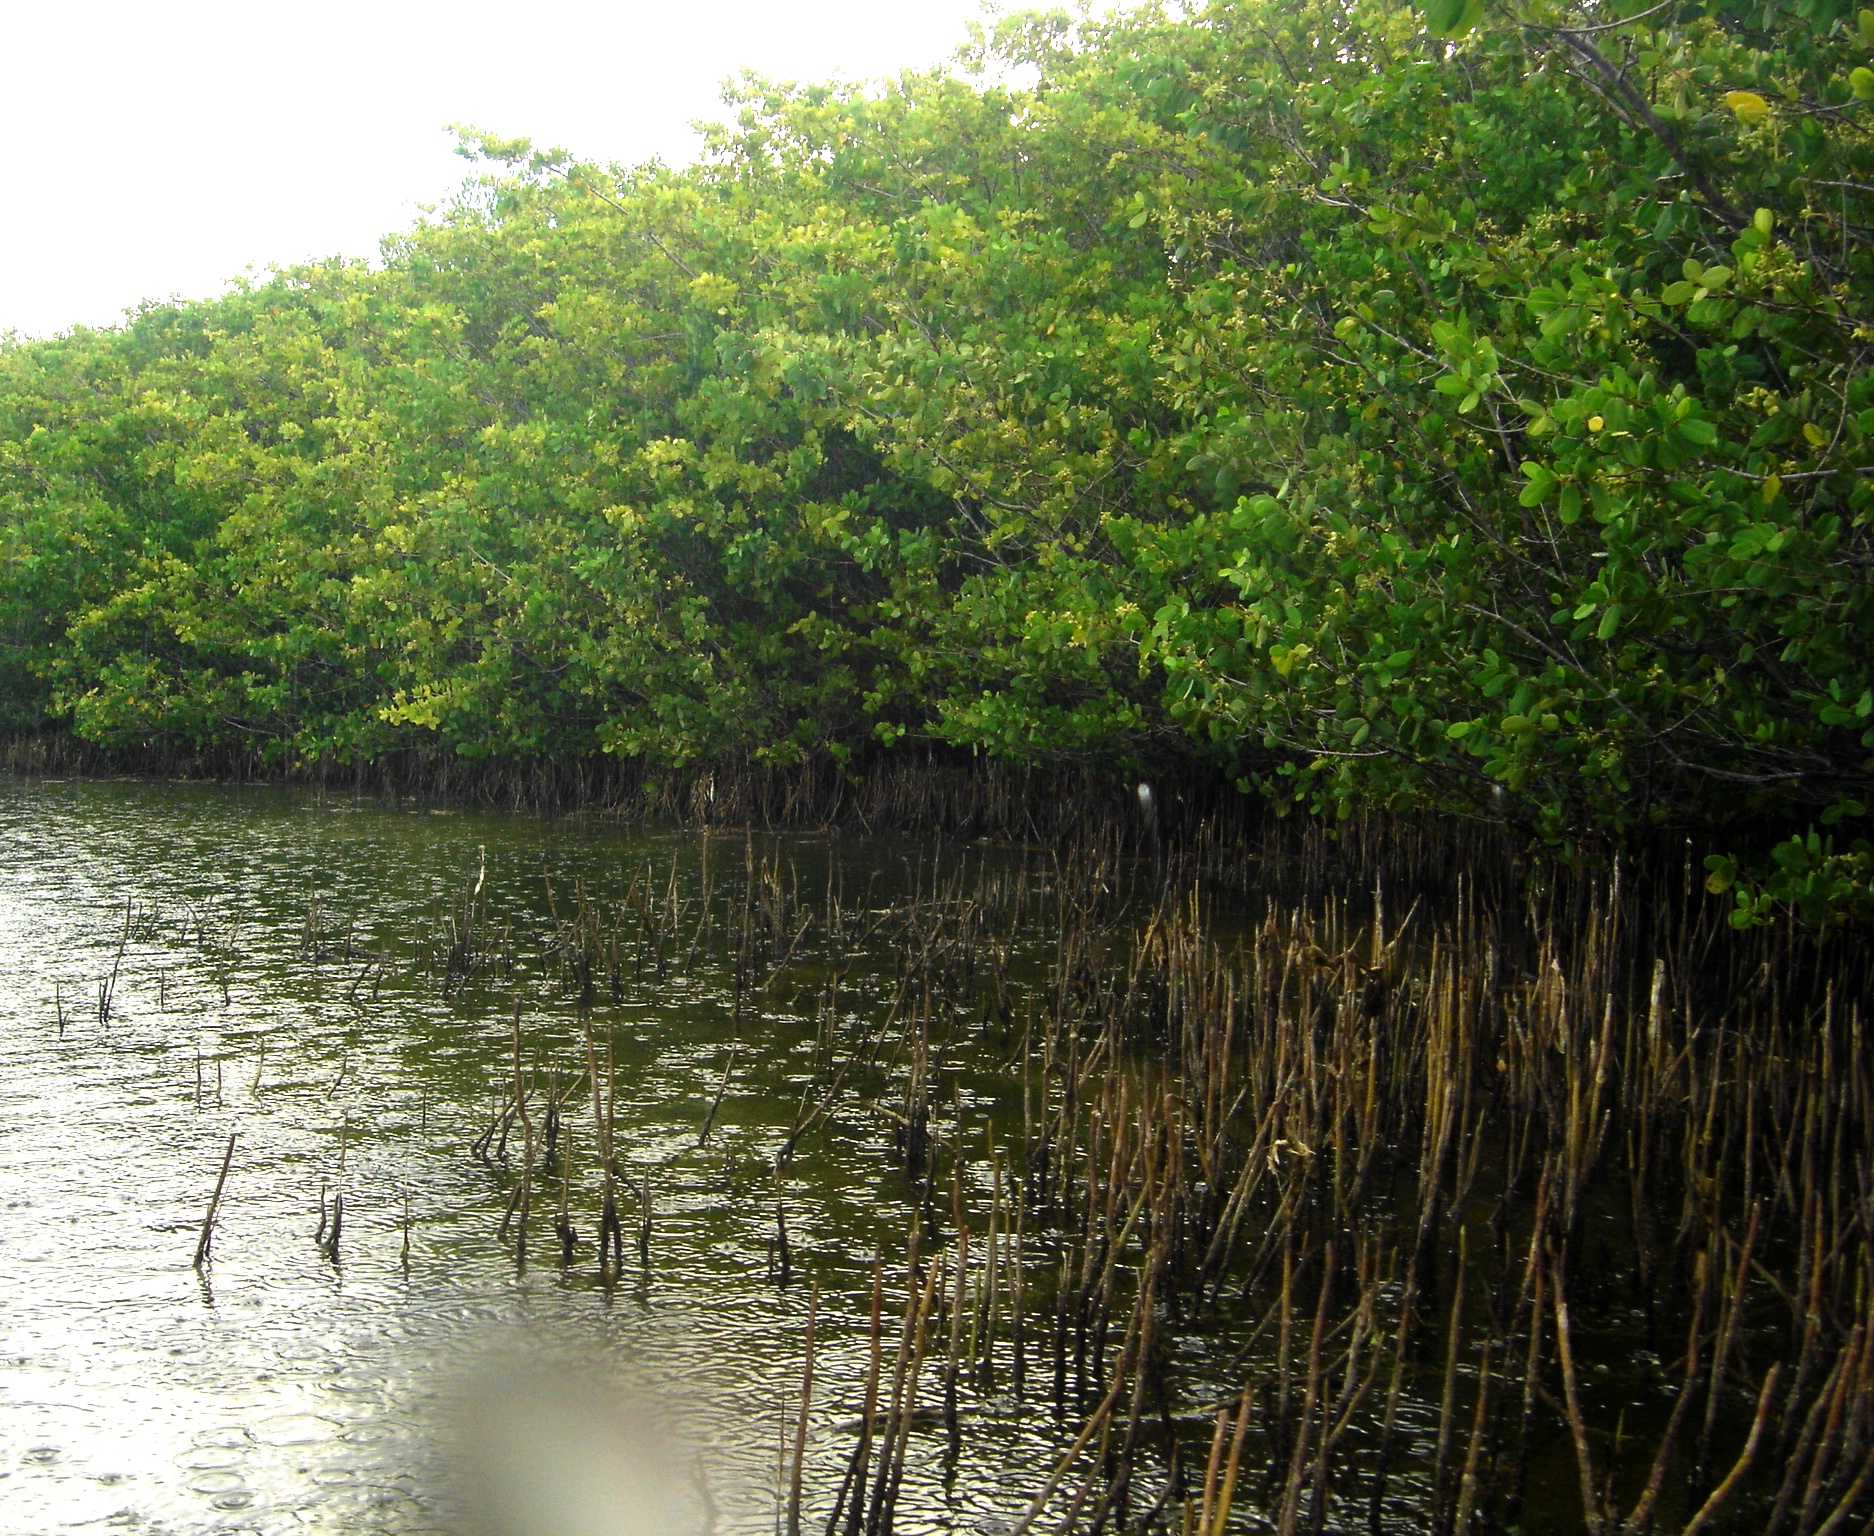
(1465, 409)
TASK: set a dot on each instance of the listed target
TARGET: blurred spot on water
(545, 1445)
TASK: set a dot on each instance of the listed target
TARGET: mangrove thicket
(1463, 410)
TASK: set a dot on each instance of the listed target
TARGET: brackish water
(269, 982)
(1113, 1150)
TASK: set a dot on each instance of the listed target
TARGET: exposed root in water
(1367, 1182)
(1470, 1166)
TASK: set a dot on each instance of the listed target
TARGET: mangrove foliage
(1464, 409)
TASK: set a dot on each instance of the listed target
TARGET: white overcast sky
(165, 146)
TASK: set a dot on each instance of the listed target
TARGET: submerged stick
(214, 1205)
(715, 1104)
(1228, 1493)
(1723, 1491)
(337, 1226)
(800, 1430)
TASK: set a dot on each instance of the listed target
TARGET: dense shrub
(1466, 411)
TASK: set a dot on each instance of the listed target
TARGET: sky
(164, 147)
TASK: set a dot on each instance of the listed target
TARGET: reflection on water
(186, 962)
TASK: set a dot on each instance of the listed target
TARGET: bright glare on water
(277, 1389)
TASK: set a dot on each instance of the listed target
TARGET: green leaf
(1452, 18)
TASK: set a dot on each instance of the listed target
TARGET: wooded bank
(1464, 412)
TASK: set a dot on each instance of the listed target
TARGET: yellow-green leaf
(1748, 105)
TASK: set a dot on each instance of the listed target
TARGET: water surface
(184, 962)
